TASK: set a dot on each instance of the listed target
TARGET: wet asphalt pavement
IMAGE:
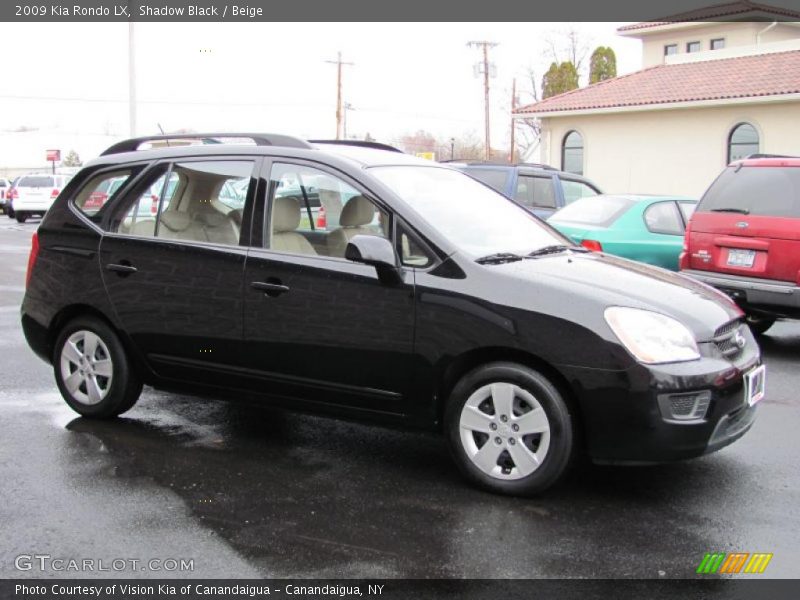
(246, 491)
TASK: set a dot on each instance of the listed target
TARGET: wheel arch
(74, 311)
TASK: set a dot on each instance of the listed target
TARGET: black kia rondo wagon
(413, 295)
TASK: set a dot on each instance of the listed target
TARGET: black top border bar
(390, 10)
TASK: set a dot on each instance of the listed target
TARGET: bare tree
(569, 45)
(528, 130)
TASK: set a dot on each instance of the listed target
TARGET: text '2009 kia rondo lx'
(422, 298)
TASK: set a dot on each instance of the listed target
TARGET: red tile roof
(741, 77)
(717, 12)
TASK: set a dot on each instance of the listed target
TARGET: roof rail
(497, 163)
(260, 139)
(359, 143)
(537, 165)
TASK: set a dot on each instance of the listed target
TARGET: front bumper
(779, 297)
(624, 421)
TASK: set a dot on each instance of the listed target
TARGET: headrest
(357, 212)
(285, 214)
(175, 221)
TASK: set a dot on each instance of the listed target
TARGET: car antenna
(161, 129)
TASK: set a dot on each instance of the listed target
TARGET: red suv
(744, 238)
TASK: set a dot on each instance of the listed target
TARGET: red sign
(54, 155)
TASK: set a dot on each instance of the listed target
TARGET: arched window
(572, 153)
(742, 141)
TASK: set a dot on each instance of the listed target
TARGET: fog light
(689, 406)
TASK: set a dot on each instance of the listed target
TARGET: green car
(645, 228)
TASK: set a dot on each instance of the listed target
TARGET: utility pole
(338, 62)
(513, 107)
(486, 73)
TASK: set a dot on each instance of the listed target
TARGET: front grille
(730, 339)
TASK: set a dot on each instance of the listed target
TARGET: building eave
(719, 102)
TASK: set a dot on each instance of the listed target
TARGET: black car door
(173, 265)
(317, 327)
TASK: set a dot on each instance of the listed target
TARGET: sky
(69, 82)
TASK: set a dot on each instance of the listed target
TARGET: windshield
(471, 216)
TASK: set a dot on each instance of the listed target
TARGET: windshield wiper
(497, 258)
(554, 249)
(742, 211)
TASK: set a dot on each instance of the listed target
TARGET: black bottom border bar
(397, 589)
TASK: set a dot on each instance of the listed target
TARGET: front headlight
(650, 336)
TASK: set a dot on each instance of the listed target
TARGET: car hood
(580, 279)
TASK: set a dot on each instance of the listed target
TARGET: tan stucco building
(710, 92)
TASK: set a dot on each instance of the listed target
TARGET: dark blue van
(542, 189)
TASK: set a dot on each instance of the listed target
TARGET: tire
(10, 212)
(21, 217)
(474, 417)
(759, 323)
(117, 387)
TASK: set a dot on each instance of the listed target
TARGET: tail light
(54, 194)
(592, 245)
(683, 257)
(32, 257)
(322, 219)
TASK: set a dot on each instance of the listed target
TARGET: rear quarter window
(764, 191)
(100, 190)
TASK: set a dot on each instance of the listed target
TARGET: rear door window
(535, 192)
(763, 191)
(663, 217)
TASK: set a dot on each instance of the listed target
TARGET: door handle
(270, 289)
(121, 269)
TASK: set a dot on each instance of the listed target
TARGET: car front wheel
(509, 429)
(92, 370)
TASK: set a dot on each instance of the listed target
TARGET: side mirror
(378, 252)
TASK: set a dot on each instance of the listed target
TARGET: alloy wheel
(86, 367)
(504, 431)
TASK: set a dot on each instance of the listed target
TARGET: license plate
(741, 258)
(755, 383)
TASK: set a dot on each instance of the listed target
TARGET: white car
(5, 185)
(35, 193)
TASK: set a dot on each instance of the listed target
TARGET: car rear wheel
(759, 323)
(92, 370)
(10, 212)
(509, 429)
(21, 217)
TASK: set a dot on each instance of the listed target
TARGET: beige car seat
(285, 220)
(356, 216)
